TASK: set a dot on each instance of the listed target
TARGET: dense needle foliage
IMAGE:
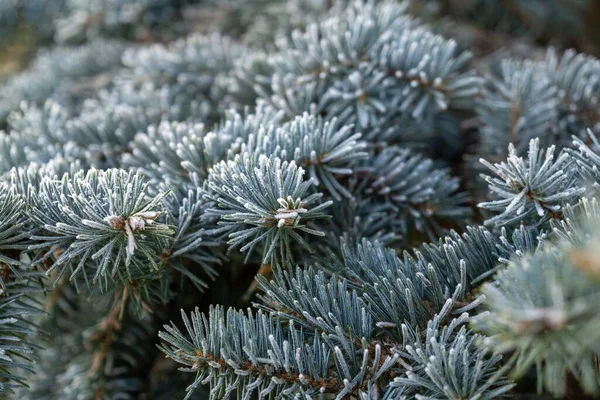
(299, 199)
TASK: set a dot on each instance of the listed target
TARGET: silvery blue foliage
(550, 99)
(191, 242)
(518, 106)
(541, 309)
(521, 241)
(18, 285)
(447, 362)
(188, 69)
(12, 154)
(237, 127)
(106, 223)
(156, 152)
(422, 197)
(323, 141)
(531, 191)
(77, 21)
(327, 150)
(264, 201)
(35, 135)
(311, 299)
(86, 19)
(111, 371)
(55, 72)
(408, 288)
(172, 152)
(365, 64)
(356, 219)
(580, 222)
(587, 159)
(269, 356)
(258, 351)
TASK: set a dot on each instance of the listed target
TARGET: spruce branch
(551, 99)
(587, 157)
(412, 289)
(579, 223)
(267, 356)
(422, 197)
(192, 242)
(19, 344)
(261, 355)
(364, 64)
(264, 201)
(517, 106)
(104, 355)
(189, 69)
(78, 21)
(327, 150)
(250, 348)
(542, 308)
(249, 80)
(359, 218)
(532, 191)
(310, 299)
(12, 154)
(103, 221)
(239, 126)
(576, 77)
(446, 362)
(19, 283)
(154, 153)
